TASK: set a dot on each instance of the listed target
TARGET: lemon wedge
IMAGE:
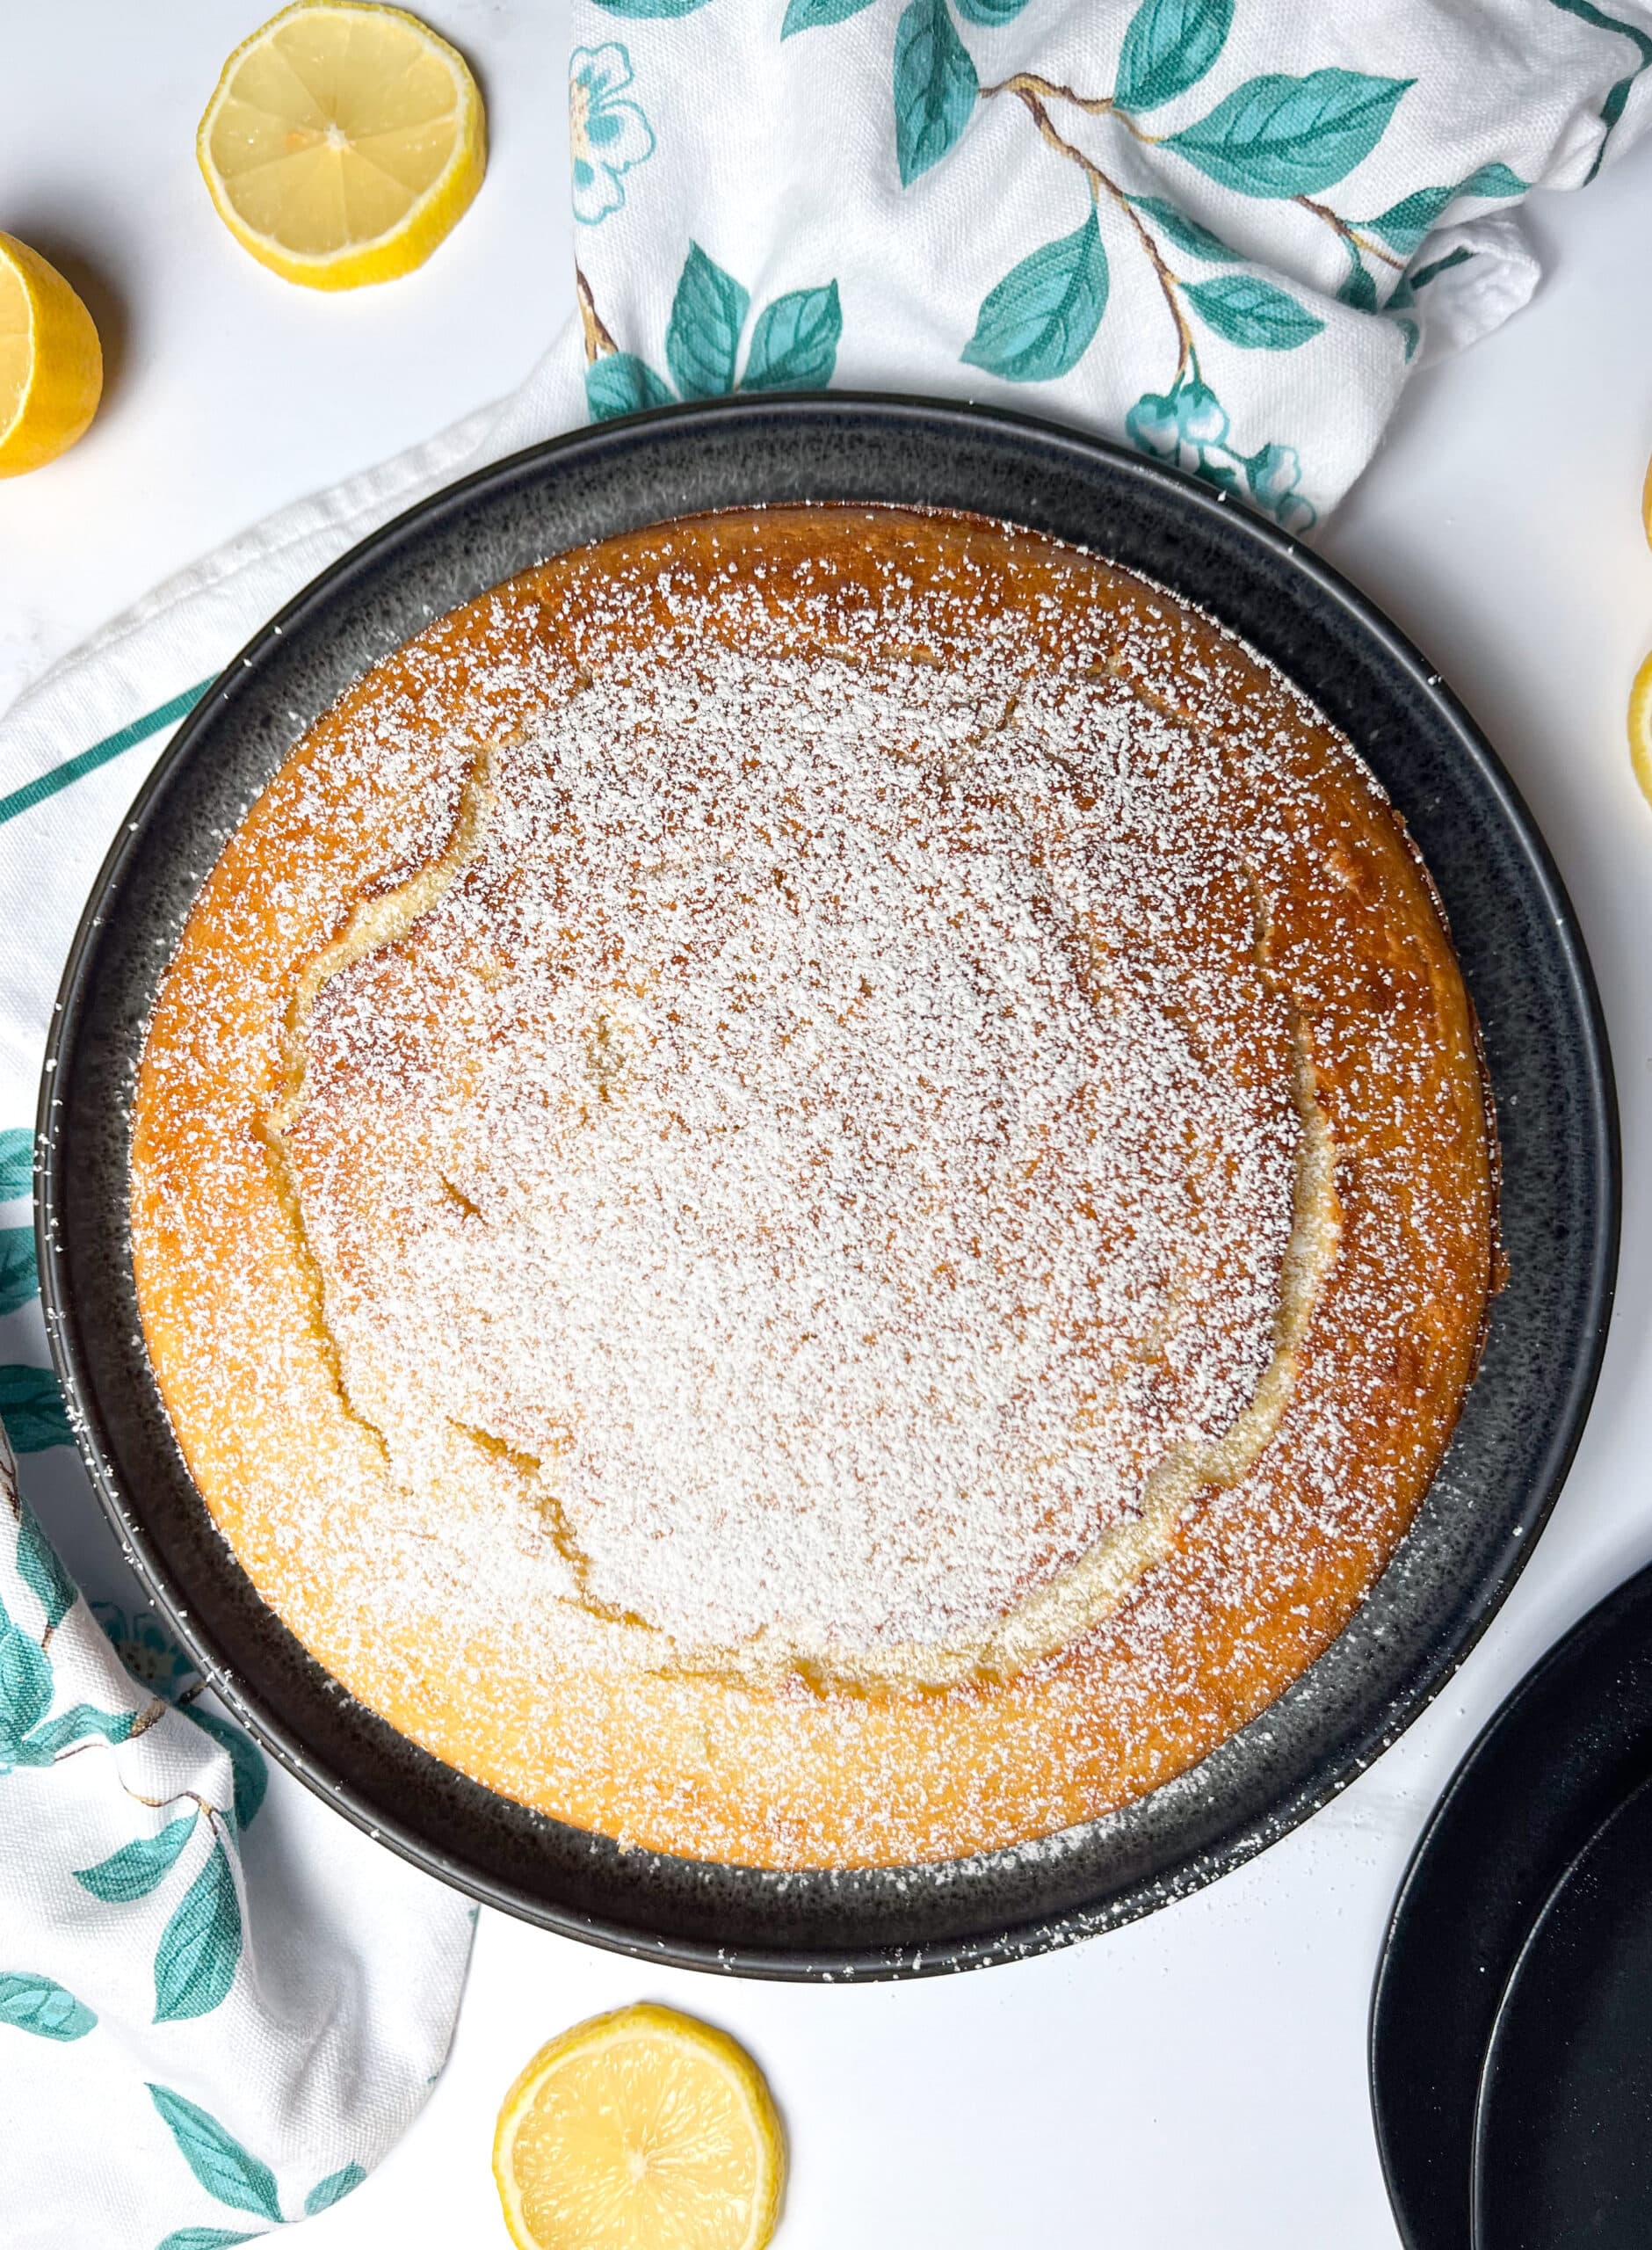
(644, 2129)
(1640, 727)
(343, 144)
(51, 362)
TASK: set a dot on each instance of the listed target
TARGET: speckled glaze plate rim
(1361, 1693)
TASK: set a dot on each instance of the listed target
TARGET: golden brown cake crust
(803, 1767)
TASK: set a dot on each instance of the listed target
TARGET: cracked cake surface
(815, 1186)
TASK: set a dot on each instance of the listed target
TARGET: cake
(815, 1188)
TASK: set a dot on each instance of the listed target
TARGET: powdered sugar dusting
(827, 1146)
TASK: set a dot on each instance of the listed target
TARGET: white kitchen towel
(1225, 231)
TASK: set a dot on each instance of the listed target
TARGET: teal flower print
(147, 1649)
(1188, 424)
(606, 136)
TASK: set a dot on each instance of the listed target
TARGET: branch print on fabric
(1281, 137)
(793, 344)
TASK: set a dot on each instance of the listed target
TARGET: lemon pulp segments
(644, 2129)
(343, 141)
(51, 363)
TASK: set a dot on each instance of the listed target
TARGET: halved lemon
(644, 2129)
(51, 362)
(343, 144)
(1640, 727)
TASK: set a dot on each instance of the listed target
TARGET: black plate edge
(1246, 1839)
(1489, 2067)
(1595, 1625)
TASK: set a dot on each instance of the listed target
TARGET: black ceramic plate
(1563, 2125)
(1524, 965)
(1556, 1761)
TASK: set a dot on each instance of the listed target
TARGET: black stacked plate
(1512, 2023)
(1524, 966)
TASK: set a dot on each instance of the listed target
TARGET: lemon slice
(644, 2129)
(51, 363)
(1640, 727)
(343, 142)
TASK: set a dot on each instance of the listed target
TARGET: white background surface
(1195, 2082)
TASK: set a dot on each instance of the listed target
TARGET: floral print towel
(1222, 230)
(219, 2004)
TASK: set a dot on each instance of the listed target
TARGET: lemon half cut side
(51, 362)
(343, 144)
(643, 2130)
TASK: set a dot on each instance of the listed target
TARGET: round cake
(815, 1188)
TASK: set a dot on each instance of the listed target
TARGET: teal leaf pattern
(26, 1688)
(1246, 310)
(1169, 47)
(1186, 233)
(1494, 180)
(18, 1279)
(78, 1725)
(935, 87)
(794, 343)
(813, 15)
(991, 15)
(650, 9)
(31, 1408)
(1038, 321)
(1403, 224)
(202, 2238)
(623, 384)
(707, 315)
(140, 1867)
(17, 1162)
(216, 2157)
(199, 1949)
(1612, 108)
(1425, 275)
(333, 2189)
(1279, 136)
(41, 2005)
(1358, 290)
(246, 1759)
(41, 1571)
